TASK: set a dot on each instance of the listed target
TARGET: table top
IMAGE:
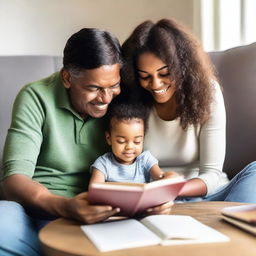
(64, 237)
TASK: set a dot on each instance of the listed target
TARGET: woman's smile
(160, 91)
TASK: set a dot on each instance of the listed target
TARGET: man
(56, 134)
(53, 139)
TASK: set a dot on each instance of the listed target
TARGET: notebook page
(181, 229)
(121, 234)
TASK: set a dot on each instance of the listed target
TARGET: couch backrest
(15, 72)
(236, 69)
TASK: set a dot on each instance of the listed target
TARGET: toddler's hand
(169, 175)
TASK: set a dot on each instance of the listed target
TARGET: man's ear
(65, 74)
(107, 135)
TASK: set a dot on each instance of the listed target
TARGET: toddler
(127, 124)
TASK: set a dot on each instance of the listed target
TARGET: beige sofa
(236, 69)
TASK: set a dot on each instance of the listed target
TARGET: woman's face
(154, 76)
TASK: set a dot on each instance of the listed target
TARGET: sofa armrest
(236, 69)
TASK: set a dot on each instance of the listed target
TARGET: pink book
(135, 198)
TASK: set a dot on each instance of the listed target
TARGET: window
(227, 23)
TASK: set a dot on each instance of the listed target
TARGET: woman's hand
(160, 209)
(80, 209)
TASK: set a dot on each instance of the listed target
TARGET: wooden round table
(64, 237)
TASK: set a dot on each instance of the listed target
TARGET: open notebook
(151, 230)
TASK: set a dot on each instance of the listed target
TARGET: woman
(166, 67)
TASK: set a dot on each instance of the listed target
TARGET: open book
(151, 230)
(243, 216)
(134, 198)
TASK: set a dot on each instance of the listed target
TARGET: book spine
(138, 203)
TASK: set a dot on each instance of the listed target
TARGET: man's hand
(31, 194)
(80, 209)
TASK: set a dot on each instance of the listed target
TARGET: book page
(121, 234)
(129, 184)
(181, 229)
(162, 182)
(159, 192)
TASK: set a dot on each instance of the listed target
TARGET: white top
(198, 151)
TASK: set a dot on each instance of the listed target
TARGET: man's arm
(27, 192)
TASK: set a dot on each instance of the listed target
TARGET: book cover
(135, 198)
(151, 230)
(244, 213)
(240, 224)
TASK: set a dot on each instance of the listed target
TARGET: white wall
(42, 26)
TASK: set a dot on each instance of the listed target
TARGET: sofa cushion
(15, 72)
(236, 69)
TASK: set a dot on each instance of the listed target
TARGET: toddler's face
(126, 139)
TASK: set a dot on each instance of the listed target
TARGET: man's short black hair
(124, 109)
(91, 48)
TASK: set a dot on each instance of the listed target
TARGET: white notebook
(151, 230)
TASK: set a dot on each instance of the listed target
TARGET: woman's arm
(212, 141)
(213, 144)
(193, 187)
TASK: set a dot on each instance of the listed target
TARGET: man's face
(91, 90)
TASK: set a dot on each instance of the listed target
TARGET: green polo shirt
(49, 142)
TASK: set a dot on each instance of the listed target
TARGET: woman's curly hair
(189, 66)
